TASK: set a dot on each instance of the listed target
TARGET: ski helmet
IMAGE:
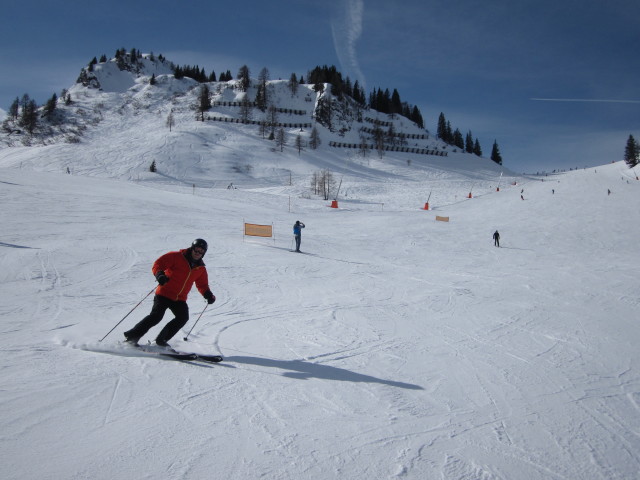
(200, 243)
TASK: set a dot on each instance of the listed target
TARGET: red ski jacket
(181, 276)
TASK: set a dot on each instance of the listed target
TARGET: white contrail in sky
(583, 100)
(346, 31)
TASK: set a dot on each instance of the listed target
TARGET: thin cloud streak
(346, 31)
(583, 100)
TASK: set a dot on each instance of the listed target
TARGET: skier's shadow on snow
(301, 370)
(11, 245)
(316, 255)
(515, 248)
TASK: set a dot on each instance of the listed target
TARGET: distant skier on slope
(496, 238)
(176, 272)
(297, 233)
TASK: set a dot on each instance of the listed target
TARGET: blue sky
(556, 83)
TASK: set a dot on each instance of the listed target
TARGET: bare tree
(264, 127)
(245, 110)
(315, 183)
(322, 182)
(205, 101)
(328, 183)
(272, 118)
(299, 144)
(281, 139)
(363, 148)
(378, 138)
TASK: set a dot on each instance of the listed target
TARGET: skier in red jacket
(176, 272)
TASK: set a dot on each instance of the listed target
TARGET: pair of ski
(176, 355)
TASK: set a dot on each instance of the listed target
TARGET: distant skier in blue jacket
(297, 233)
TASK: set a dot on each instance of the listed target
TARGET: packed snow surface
(395, 346)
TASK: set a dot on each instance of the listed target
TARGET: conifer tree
(458, 141)
(356, 92)
(262, 95)
(395, 105)
(416, 117)
(314, 139)
(50, 106)
(260, 100)
(29, 117)
(293, 84)
(632, 152)
(495, 153)
(243, 76)
(442, 128)
(468, 144)
(348, 88)
(385, 101)
(323, 112)
(205, 101)
(263, 76)
(449, 133)
(14, 109)
(476, 148)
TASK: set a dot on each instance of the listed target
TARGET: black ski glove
(209, 296)
(161, 277)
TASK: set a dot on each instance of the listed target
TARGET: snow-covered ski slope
(398, 346)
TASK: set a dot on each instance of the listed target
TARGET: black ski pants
(161, 304)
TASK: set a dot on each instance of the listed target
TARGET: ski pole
(205, 307)
(128, 313)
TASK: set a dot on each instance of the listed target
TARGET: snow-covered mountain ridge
(117, 126)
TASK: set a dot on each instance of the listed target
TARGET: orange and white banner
(254, 230)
